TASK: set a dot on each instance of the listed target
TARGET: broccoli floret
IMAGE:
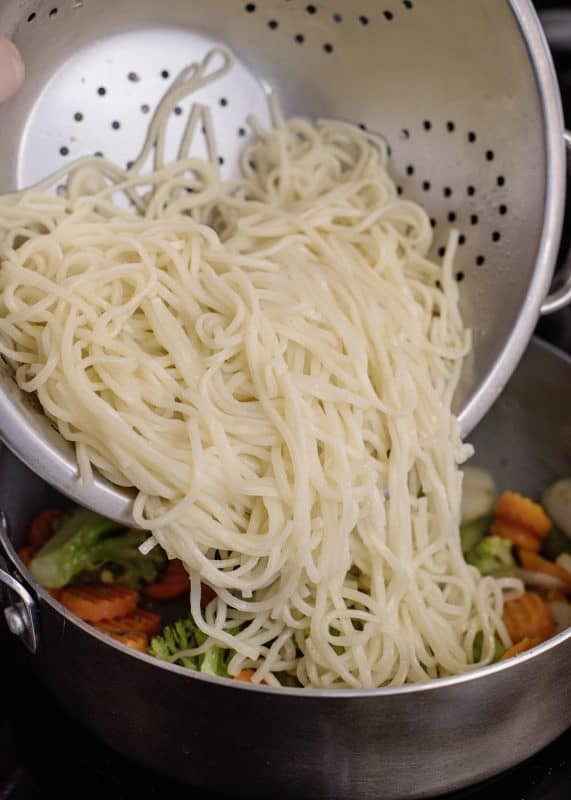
(499, 649)
(555, 543)
(471, 533)
(185, 635)
(91, 547)
(493, 556)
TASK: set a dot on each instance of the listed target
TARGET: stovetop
(44, 754)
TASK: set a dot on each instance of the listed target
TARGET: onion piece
(557, 502)
(478, 493)
(564, 561)
(562, 614)
(541, 580)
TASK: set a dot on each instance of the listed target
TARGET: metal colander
(464, 92)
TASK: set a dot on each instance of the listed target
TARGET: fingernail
(11, 69)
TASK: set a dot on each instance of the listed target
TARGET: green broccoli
(471, 533)
(555, 543)
(185, 635)
(89, 547)
(499, 649)
(493, 556)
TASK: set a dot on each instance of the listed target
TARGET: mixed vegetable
(96, 569)
(515, 536)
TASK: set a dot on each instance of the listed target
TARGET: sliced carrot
(245, 676)
(523, 512)
(41, 528)
(521, 537)
(26, 554)
(528, 617)
(96, 602)
(536, 563)
(138, 640)
(174, 582)
(520, 647)
(556, 596)
(140, 621)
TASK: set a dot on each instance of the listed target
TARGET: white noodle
(271, 364)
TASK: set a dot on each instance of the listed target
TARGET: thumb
(11, 69)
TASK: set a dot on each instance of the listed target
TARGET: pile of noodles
(271, 363)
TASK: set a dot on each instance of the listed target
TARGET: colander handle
(562, 296)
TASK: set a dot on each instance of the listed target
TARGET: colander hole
(102, 91)
(480, 260)
(450, 126)
(500, 180)
(145, 108)
(64, 151)
(503, 210)
(399, 189)
(299, 38)
(362, 126)
(133, 77)
(98, 154)
(472, 137)
(78, 116)
(410, 170)
(470, 191)
(474, 219)
(461, 239)
(438, 285)
(451, 217)
(405, 133)
(311, 9)
(53, 12)
(426, 186)
(32, 16)
(427, 125)
(242, 132)
(496, 236)
(441, 252)
(364, 20)
(178, 111)
(490, 155)
(447, 191)
(407, 4)
(459, 277)
(388, 15)
(165, 74)
(250, 8)
(115, 125)
(220, 160)
(328, 47)
(223, 102)
(433, 222)
(338, 18)
(273, 24)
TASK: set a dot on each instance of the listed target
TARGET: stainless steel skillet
(244, 741)
(465, 93)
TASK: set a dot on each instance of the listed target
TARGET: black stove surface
(44, 754)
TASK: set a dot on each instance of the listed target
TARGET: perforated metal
(463, 92)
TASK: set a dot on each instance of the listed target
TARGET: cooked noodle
(271, 363)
